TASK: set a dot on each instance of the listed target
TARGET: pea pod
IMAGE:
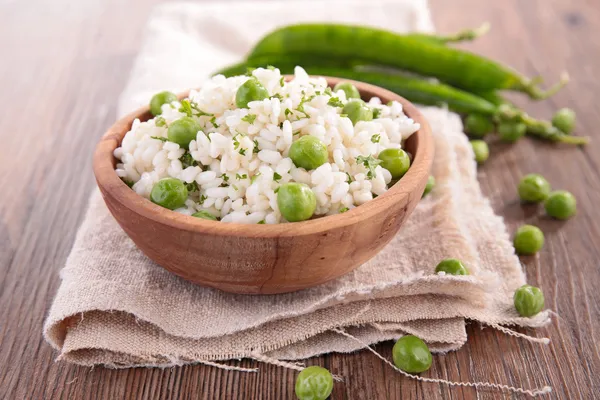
(373, 46)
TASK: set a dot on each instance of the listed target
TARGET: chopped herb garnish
(335, 102)
(162, 139)
(328, 91)
(234, 187)
(343, 210)
(304, 100)
(191, 109)
(236, 142)
(281, 125)
(261, 222)
(249, 71)
(376, 138)
(160, 121)
(376, 113)
(242, 151)
(225, 178)
(276, 177)
(186, 108)
(349, 180)
(282, 81)
(287, 112)
(192, 187)
(188, 161)
(276, 189)
(277, 96)
(250, 118)
(213, 121)
(202, 198)
(370, 163)
(255, 149)
(255, 177)
(239, 177)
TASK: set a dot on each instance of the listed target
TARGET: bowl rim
(111, 184)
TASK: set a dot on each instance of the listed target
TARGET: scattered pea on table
(170, 193)
(561, 204)
(478, 125)
(430, 185)
(349, 89)
(308, 152)
(397, 161)
(314, 383)
(528, 300)
(528, 240)
(357, 110)
(452, 266)
(533, 188)
(296, 201)
(481, 151)
(564, 120)
(411, 354)
(251, 90)
(159, 99)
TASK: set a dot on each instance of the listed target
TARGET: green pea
(452, 266)
(169, 193)
(183, 131)
(511, 131)
(296, 201)
(159, 99)
(429, 186)
(397, 161)
(308, 152)
(204, 215)
(357, 110)
(528, 300)
(478, 125)
(314, 383)
(481, 151)
(411, 355)
(528, 240)
(533, 188)
(348, 88)
(251, 90)
(564, 120)
(561, 204)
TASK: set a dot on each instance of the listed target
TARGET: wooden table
(64, 64)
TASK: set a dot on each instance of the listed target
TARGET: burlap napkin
(116, 307)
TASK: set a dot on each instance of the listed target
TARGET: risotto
(259, 150)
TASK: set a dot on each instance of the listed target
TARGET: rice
(240, 156)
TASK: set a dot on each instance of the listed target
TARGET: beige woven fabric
(116, 307)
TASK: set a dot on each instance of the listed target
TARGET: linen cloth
(116, 307)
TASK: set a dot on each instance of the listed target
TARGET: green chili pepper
(466, 35)
(456, 67)
(417, 90)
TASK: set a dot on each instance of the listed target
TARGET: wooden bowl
(264, 259)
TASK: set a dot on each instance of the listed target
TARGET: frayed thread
(476, 385)
(285, 364)
(542, 340)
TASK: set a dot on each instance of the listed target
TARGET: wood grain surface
(64, 64)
